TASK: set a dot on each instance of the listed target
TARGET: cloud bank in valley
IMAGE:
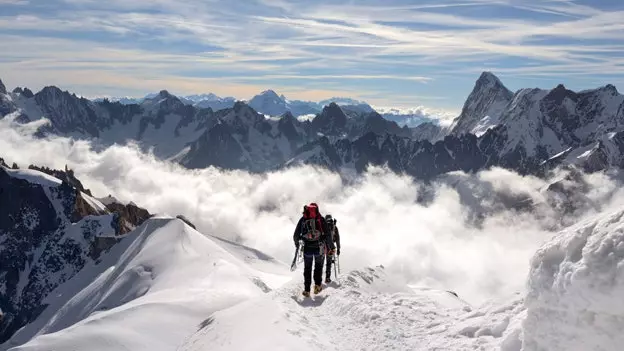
(473, 234)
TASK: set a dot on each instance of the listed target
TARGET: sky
(393, 53)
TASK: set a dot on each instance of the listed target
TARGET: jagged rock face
(127, 217)
(420, 159)
(216, 147)
(488, 98)
(269, 103)
(2, 88)
(49, 230)
(332, 121)
(69, 113)
(426, 131)
(375, 123)
(66, 176)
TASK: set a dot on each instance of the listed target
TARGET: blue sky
(396, 53)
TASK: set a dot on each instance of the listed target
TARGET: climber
(312, 231)
(334, 235)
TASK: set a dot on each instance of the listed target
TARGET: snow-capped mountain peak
(269, 103)
(484, 105)
(2, 88)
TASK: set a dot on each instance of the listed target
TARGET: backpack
(312, 227)
(331, 226)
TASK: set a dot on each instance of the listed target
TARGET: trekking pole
(293, 265)
(338, 262)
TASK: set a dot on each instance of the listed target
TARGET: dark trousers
(330, 260)
(307, 270)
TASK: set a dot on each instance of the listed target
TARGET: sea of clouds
(470, 233)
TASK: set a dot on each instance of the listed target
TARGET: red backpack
(312, 227)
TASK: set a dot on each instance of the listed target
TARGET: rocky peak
(65, 176)
(488, 98)
(50, 91)
(559, 93)
(332, 120)
(27, 93)
(269, 94)
(488, 80)
(2, 88)
(268, 102)
(610, 88)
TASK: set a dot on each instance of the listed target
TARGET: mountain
(428, 131)
(211, 101)
(162, 123)
(484, 106)
(530, 131)
(241, 138)
(270, 103)
(420, 159)
(232, 138)
(50, 228)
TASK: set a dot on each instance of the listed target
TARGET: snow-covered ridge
(50, 227)
(164, 268)
(34, 177)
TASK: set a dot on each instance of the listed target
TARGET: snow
(365, 309)
(206, 293)
(35, 177)
(95, 204)
(165, 269)
(166, 286)
(485, 124)
(575, 286)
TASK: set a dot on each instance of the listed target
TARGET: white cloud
(464, 238)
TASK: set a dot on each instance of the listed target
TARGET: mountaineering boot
(327, 280)
(317, 289)
(306, 293)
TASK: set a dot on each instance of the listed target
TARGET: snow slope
(166, 286)
(576, 286)
(364, 310)
(153, 289)
(34, 177)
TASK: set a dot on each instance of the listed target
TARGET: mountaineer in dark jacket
(313, 232)
(334, 235)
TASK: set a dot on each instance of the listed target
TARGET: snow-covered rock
(427, 131)
(575, 286)
(49, 229)
(535, 125)
(484, 105)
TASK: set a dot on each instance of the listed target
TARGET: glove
(331, 252)
(338, 252)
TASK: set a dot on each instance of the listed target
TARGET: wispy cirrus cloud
(385, 50)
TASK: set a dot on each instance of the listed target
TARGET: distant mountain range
(270, 103)
(529, 131)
